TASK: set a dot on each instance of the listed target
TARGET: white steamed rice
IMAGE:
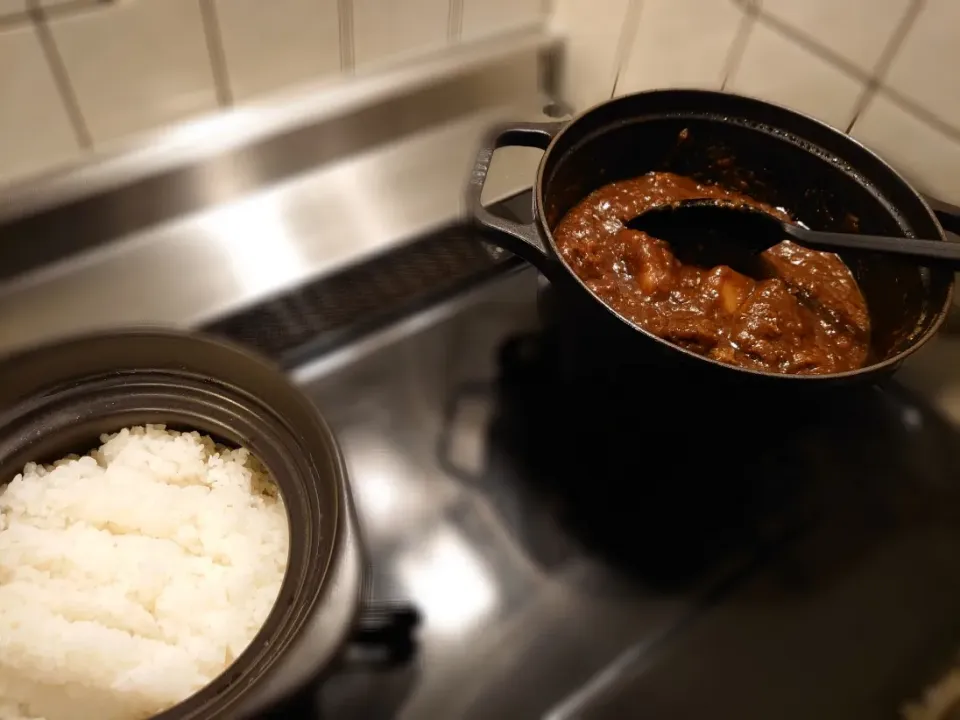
(132, 577)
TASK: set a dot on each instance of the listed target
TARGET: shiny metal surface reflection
(523, 620)
(224, 212)
(504, 636)
(189, 271)
(855, 614)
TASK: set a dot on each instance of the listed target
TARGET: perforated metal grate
(317, 317)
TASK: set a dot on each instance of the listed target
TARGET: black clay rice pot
(822, 176)
(59, 398)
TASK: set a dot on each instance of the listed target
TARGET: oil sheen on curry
(806, 316)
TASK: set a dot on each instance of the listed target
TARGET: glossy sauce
(807, 317)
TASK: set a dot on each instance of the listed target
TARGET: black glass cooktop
(637, 546)
(623, 543)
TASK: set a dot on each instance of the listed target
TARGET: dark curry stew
(804, 315)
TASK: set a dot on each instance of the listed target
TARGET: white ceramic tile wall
(487, 17)
(881, 69)
(921, 151)
(136, 65)
(775, 68)
(12, 7)
(128, 66)
(268, 45)
(878, 68)
(48, 4)
(387, 28)
(923, 69)
(34, 130)
(680, 43)
(594, 46)
(856, 30)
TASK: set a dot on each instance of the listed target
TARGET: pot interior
(60, 399)
(820, 176)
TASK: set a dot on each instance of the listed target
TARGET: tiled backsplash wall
(882, 70)
(76, 75)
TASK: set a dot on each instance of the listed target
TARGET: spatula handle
(926, 252)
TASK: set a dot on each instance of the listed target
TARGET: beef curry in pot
(805, 315)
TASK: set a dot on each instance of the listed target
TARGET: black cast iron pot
(59, 398)
(822, 176)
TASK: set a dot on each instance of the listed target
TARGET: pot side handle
(520, 239)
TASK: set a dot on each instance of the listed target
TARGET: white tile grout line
(900, 34)
(753, 11)
(886, 59)
(218, 58)
(873, 83)
(66, 9)
(750, 11)
(345, 15)
(920, 112)
(61, 77)
(813, 46)
(876, 84)
(455, 21)
(628, 33)
(17, 19)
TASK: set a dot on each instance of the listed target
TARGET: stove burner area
(593, 539)
(848, 504)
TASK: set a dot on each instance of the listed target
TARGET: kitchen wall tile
(922, 71)
(12, 7)
(856, 30)
(487, 17)
(680, 43)
(272, 44)
(73, 6)
(385, 28)
(924, 154)
(591, 52)
(775, 68)
(35, 132)
(136, 65)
